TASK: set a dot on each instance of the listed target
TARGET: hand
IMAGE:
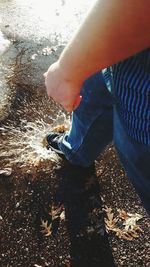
(62, 90)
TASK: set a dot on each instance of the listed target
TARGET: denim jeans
(94, 125)
(135, 159)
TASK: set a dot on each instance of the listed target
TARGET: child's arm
(112, 31)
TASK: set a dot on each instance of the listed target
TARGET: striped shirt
(131, 82)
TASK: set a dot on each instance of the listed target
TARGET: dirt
(80, 238)
(49, 190)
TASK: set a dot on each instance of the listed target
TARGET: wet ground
(37, 188)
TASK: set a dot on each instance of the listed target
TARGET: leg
(135, 158)
(92, 125)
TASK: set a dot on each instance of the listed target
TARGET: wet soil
(27, 201)
(79, 239)
(32, 194)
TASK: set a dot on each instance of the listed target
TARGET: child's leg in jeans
(92, 123)
(135, 158)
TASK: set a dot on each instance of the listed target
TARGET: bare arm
(112, 31)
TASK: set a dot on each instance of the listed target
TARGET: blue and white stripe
(131, 80)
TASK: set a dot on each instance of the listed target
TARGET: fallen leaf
(60, 128)
(130, 222)
(56, 211)
(131, 229)
(47, 229)
(62, 216)
(6, 171)
(110, 220)
(123, 214)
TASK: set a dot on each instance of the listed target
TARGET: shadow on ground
(79, 192)
(77, 189)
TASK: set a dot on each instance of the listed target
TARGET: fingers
(45, 74)
(62, 91)
(71, 107)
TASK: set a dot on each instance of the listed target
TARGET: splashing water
(23, 145)
(4, 43)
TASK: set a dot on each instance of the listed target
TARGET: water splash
(4, 43)
(23, 145)
(4, 89)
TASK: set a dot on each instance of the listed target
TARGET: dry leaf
(129, 235)
(122, 214)
(129, 221)
(6, 171)
(60, 128)
(47, 229)
(56, 211)
(110, 220)
(62, 216)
